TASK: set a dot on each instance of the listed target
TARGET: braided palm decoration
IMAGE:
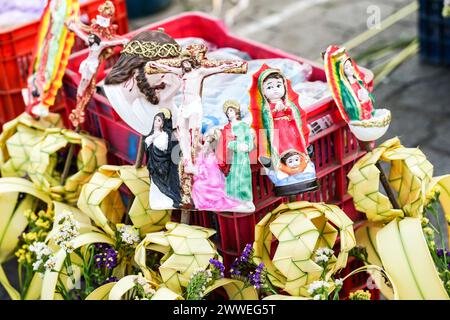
(151, 49)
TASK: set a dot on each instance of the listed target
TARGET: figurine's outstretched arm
(164, 67)
(223, 67)
(115, 42)
(73, 26)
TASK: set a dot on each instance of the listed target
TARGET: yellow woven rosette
(17, 195)
(17, 139)
(301, 228)
(100, 199)
(396, 239)
(410, 175)
(185, 249)
(47, 164)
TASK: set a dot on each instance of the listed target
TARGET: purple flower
(247, 252)
(107, 258)
(448, 266)
(110, 279)
(447, 253)
(256, 278)
(440, 252)
(218, 265)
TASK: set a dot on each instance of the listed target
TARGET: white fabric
(158, 200)
(139, 115)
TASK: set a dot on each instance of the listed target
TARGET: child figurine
(353, 99)
(283, 133)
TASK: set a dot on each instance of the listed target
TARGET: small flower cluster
(360, 295)
(43, 257)
(257, 278)
(200, 280)
(218, 267)
(106, 256)
(319, 289)
(144, 289)
(128, 234)
(245, 269)
(323, 255)
(243, 262)
(67, 228)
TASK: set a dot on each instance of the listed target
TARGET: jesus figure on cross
(193, 68)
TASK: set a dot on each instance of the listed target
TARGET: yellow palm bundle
(101, 201)
(301, 228)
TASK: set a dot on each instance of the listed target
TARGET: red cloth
(289, 135)
(366, 107)
(223, 154)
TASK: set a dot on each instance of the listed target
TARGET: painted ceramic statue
(135, 95)
(191, 68)
(283, 133)
(54, 44)
(352, 96)
(209, 186)
(100, 38)
(161, 143)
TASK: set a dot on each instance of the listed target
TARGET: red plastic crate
(335, 148)
(16, 48)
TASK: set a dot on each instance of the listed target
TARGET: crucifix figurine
(192, 68)
(100, 38)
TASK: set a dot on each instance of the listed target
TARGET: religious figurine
(209, 188)
(353, 99)
(135, 95)
(239, 178)
(192, 68)
(100, 38)
(283, 133)
(51, 56)
(165, 182)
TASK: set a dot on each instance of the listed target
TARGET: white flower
(141, 281)
(316, 285)
(129, 234)
(317, 297)
(339, 282)
(324, 251)
(40, 249)
(50, 263)
(67, 228)
(321, 258)
(37, 265)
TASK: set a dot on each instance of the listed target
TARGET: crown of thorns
(151, 49)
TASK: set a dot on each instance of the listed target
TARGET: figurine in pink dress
(208, 189)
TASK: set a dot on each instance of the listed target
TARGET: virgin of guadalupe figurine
(239, 178)
(165, 182)
(209, 189)
(353, 99)
(283, 133)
